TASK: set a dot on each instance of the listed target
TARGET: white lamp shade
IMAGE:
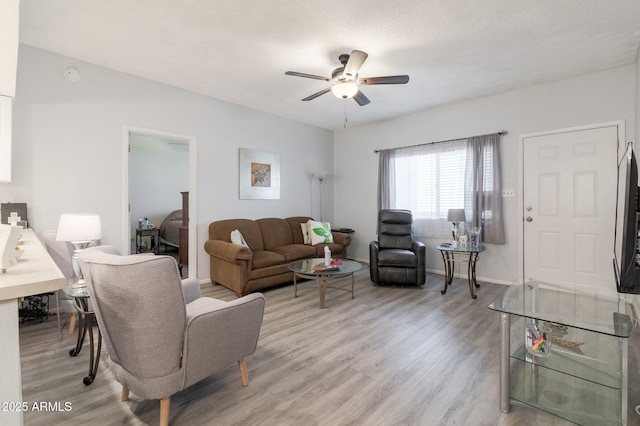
(345, 90)
(79, 227)
(455, 215)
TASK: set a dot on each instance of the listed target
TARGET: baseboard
(478, 278)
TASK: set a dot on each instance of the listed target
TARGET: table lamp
(79, 230)
(456, 216)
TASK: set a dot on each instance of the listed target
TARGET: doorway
(158, 167)
(569, 181)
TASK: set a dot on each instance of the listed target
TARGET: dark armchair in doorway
(396, 258)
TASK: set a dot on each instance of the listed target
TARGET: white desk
(35, 273)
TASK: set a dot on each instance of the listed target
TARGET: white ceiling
(238, 50)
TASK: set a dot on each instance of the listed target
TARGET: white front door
(569, 203)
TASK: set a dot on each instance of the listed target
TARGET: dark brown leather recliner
(396, 258)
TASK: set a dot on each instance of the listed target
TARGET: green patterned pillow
(320, 232)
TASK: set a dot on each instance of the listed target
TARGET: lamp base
(455, 232)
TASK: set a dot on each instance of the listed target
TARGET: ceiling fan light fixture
(345, 90)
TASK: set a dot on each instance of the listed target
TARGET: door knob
(529, 219)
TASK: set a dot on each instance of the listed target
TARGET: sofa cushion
(264, 259)
(336, 249)
(295, 251)
(306, 238)
(296, 231)
(320, 232)
(397, 257)
(276, 232)
(221, 230)
(237, 238)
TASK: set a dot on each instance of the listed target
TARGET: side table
(80, 297)
(469, 255)
(153, 234)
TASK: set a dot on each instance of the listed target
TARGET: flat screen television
(626, 262)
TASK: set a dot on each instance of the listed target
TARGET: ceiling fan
(345, 79)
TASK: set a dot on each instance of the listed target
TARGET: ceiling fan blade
(315, 95)
(300, 74)
(354, 63)
(391, 79)
(361, 99)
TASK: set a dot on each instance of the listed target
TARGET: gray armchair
(396, 258)
(161, 335)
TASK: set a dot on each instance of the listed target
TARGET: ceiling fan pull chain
(345, 113)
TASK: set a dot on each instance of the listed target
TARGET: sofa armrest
(227, 251)
(341, 238)
(418, 248)
(191, 290)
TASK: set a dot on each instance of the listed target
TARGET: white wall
(595, 98)
(68, 147)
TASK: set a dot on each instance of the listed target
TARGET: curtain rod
(500, 133)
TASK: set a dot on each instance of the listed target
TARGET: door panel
(569, 206)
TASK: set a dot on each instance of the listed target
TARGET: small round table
(312, 268)
(85, 325)
(448, 252)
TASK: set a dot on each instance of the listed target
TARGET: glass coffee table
(307, 268)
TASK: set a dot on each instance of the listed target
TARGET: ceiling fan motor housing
(338, 74)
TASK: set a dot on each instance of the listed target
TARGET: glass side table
(81, 297)
(467, 254)
(583, 377)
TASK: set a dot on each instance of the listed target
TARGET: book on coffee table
(321, 267)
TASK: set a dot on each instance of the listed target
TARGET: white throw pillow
(305, 233)
(320, 232)
(237, 238)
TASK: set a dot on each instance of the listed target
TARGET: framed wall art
(259, 175)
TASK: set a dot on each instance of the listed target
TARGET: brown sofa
(273, 243)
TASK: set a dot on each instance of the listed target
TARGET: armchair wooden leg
(125, 394)
(243, 372)
(164, 411)
(72, 322)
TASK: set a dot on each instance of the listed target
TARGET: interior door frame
(621, 137)
(193, 220)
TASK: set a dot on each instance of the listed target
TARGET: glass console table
(583, 378)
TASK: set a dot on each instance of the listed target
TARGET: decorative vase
(538, 340)
(474, 236)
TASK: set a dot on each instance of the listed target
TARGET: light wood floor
(391, 356)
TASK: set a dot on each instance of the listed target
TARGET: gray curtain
(483, 187)
(386, 179)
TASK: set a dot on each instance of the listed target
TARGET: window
(430, 179)
(430, 182)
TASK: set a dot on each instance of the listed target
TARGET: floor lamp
(321, 176)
